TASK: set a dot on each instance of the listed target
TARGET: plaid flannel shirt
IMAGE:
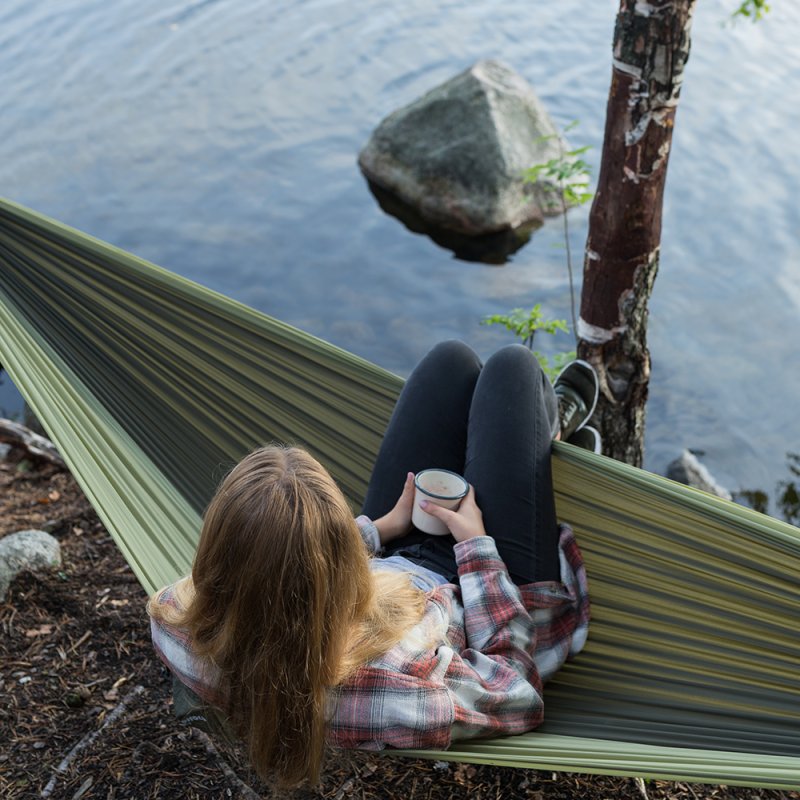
(472, 667)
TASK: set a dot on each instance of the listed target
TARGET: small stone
(77, 697)
(26, 550)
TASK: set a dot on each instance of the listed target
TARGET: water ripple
(220, 138)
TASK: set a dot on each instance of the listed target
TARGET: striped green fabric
(152, 386)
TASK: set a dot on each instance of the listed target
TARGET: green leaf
(578, 151)
(754, 10)
(560, 360)
(524, 324)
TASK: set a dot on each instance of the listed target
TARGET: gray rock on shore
(457, 155)
(687, 469)
(26, 550)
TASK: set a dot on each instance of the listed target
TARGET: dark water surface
(219, 139)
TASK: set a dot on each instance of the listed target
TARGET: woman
(303, 635)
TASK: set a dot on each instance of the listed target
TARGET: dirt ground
(85, 709)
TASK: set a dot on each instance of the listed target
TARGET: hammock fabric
(152, 386)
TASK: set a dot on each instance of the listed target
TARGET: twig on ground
(211, 749)
(345, 789)
(90, 738)
(84, 787)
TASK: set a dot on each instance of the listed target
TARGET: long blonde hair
(283, 603)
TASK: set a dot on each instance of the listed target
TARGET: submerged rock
(458, 154)
(488, 248)
(26, 550)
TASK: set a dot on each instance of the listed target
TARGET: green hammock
(152, 386)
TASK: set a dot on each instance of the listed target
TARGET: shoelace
(571, 410)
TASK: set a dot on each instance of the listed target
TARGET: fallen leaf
(464, 773)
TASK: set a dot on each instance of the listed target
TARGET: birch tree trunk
(651, 47)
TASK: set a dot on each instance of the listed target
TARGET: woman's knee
(515, 359)
(515, 369)
(454, 354)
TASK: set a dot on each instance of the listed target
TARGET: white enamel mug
(440, 486)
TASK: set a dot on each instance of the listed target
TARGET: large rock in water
(457, 155)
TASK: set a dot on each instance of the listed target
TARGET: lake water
(219, 139)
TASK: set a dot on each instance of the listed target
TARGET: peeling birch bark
(651, 48)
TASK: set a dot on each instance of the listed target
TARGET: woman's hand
(397, 522)
(465, 523)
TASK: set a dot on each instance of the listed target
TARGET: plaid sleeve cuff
(369, 533)
(478, 555)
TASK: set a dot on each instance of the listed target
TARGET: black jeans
(490, 424)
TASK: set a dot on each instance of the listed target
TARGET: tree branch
(37, 447)
(90, 738)
(211, 749)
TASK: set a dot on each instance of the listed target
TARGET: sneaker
(577, 389)
(551, 409)
(588, 438)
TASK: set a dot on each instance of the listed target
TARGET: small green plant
(567, 178)
(525, 324)
(753, 10)
(787, 494)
